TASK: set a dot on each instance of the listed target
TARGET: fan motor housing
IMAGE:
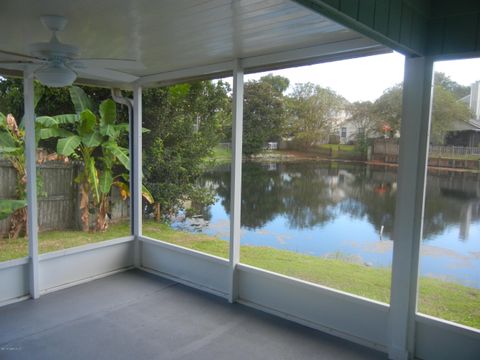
(53, 49)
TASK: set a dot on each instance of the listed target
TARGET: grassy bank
(335, 152)
(221, 155)
(338, 147)
(439, 298)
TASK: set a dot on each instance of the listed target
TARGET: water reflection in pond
(343, 209)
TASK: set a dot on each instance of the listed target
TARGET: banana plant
(122, 183)
(12, 149)
(95, 142)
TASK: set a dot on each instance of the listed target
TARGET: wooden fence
(439, 156)
(381, 147)
(58, 197)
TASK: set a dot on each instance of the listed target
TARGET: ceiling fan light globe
(56, 75)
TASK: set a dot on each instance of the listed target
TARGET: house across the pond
(467, 133)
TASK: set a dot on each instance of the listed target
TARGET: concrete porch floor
(136, 315)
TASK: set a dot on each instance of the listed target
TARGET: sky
(366, 78)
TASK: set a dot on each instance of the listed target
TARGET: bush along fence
(439, 156)
(58, 196)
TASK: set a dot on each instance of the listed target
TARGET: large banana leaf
(6, 139)
(119, 152)
(123, 127)
(37, 94)
(110, 131)
(124, 186)
(147, 195)
(9, 143)
(67, 119)
(108, 112)
(8, 207)
(51, 132)
(80, 100)
(67, 146)
(125, 191)
(105, 181)
(8, 150)
(92, 140)
(3, 120)
(46, 121)
(93, 178)
(88, 121)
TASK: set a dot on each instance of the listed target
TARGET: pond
(346, 210)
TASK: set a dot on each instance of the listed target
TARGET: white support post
(236, 176)
(407, 235)
(31, 170)
(136, 173)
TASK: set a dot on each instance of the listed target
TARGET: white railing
(453, 150)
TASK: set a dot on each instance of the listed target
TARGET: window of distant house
(344, 132)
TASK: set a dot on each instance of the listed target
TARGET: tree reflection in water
(312, 194)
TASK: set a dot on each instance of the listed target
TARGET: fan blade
(106, 74)
(10, 53)
(110, 63)
(18, 65)
(16, 62)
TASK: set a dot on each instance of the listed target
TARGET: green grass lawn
(338, 147)
(58, 240)
(337, 151)
(438, 298)
(221, 155)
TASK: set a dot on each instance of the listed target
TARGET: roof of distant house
(459, 125)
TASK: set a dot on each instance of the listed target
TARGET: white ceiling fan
(57, 64)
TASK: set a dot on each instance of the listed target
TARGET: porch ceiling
(170, 36)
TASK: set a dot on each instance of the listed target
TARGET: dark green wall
(399, 24)
(454, 28)
(443, 28)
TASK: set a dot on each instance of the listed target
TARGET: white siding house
(348, 132)
(473, 102)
